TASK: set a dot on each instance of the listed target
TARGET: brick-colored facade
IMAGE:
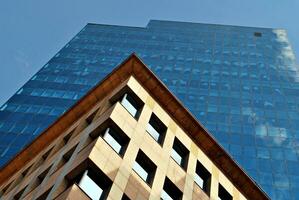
(50, 166)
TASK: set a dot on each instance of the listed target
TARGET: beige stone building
(128, 138)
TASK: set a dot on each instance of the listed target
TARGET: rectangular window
(132, 104)
(223, 194)
(156, 129)
(117, 139)
(145, 168)
(170, 191)
(180, 153)
(95, 184)
(203, 178)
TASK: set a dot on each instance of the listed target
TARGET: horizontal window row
(65, 79)
(51, 93)
(35, 109)
(97, 185)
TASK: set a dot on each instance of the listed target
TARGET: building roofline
(183, 22)
(133, 66)
(216, 24)
(117, 25)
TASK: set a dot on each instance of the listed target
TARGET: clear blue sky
(32, 31)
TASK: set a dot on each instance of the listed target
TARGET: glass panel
(111, 141)
(127, 104)
(90, 187)
(176, 157)
(152, 131)
(165, 196)
(199, 181)
(140, 171)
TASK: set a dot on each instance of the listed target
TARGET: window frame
(222, 191)
(157, 124)
(179, 148)
(147, 165)
(205, 176)
(97, 177)
(171, 190)
(128, 92)
(122, 137)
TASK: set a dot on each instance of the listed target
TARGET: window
(156, 129)
(17, 181)
(202, 178)
(117, 139)
(132, 103)
(43, 175)
(5, 189)
(223, 194)
(19, 194)
(125, 197)
(170, 191)
(45, 156)
(91, 117)
(95, 184)
(257, 34)
(39, 179)
(65, 158)
(145, 168)
(44, 195)
(67, 137)
(180, 153)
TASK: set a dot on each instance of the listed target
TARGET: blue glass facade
(242, 83)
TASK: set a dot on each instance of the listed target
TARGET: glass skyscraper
(242, 83)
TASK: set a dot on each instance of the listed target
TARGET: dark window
(45, 156)
(67, 137)
(117, 139)
(203, 178)
(95, 184)
(44, 195)
(43, 175)
(91, 117)
(5, 189)
(65, 158)
(156, 129)
(129, 100)
(39, 179)
(19, 194)
(257, 34)
(180, 153)
(223, 194)
(125, 197)
(132, 103)
(144, 167)
(25, 172)
(170, 191)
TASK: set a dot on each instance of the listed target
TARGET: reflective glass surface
(177, 157)
(153, 132)
(128, 105)
(140, 171)
(241, 83)
(111, 141)
(90, 187)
